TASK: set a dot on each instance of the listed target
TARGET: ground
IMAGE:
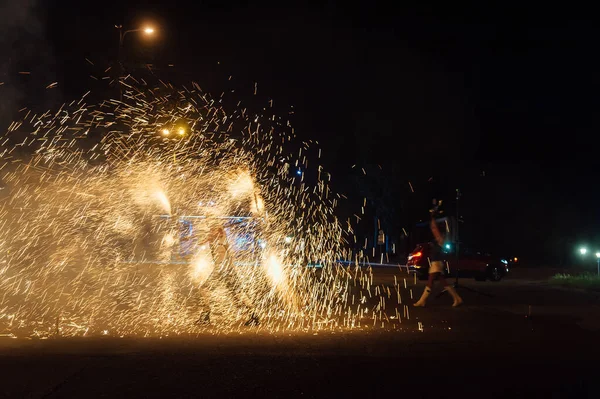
(528, 339)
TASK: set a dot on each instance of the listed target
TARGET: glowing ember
(143, 234)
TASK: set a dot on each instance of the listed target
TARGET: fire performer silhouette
(436, 266)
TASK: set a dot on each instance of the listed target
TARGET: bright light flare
(275, 270)
(168, 240)
(241, 185)
(202, 266)
(149, 31)
(583, 251)
(163, 200)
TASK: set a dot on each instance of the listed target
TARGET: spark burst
(92, 231)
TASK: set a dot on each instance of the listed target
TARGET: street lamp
(583, 251)
(147, 30)
(122, 34)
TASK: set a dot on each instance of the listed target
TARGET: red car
(470, 263)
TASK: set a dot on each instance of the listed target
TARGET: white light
(288, 239)
(597, 254)
(149, 30)
(583, 251)
(263, 245)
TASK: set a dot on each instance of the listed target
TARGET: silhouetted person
(436, 267)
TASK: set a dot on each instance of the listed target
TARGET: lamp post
(122, 34)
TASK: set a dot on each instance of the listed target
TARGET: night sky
(499, 102)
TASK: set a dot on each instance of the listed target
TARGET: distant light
(288, 239)
(504, 261)
(181, 131)
(165, 132)
(149, 31)
(263, 244)
(516, 259)
(299, 172)
(597, 254)
(583, 251)
(447, 246)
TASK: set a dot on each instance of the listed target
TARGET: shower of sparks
(182, 218)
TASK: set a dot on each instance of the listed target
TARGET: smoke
(26, 60)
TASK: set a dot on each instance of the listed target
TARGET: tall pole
(122, 35)
(120, 60)
(457, 237)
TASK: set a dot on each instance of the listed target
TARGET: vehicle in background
(470, 263)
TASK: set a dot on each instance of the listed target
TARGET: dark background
(500, 102)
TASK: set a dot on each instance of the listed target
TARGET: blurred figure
(225, 274)
(436, 266)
